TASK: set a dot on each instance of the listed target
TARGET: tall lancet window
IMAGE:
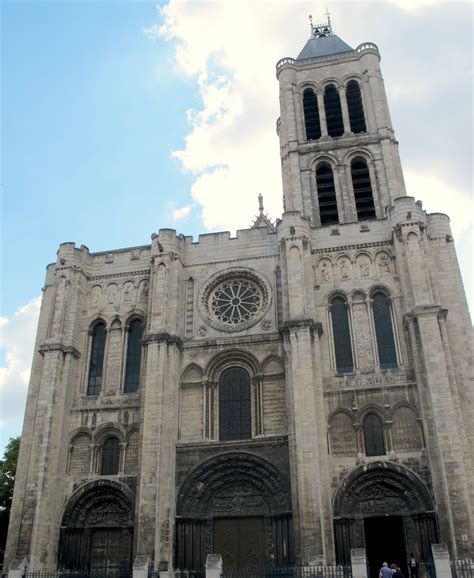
(311, 115)
(234, 405)
(363, 196)
(326, 194)
(110, 457)
(96, 365)
(134, 353)
(355, 106)
(342, 335)
(382, 313)
(373, 435)
(332, 106)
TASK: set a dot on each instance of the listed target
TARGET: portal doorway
(241, 541)
(385, 542)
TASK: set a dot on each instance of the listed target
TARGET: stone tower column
(156, 497)
(41, 474)
(446, 435)
(305, 402)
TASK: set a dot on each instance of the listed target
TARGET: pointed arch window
(234, 405)
(134, 354)
(362, 186)
(326, 194)
(110, 457)
(373, 435)
(311, 115)
(96, 365)
(382, 312)
(332, 106)
(342, 335)
(355, 107)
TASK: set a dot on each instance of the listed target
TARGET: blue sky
(119, 119)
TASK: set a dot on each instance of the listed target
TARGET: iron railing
(462, 568)
(289, 572)
(85, 573)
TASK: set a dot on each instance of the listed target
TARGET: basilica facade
(279, 397)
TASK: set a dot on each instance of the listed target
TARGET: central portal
(240, 541)
(385, 542)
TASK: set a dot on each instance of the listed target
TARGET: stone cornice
(314, 326)
(54, 347)
(232, 341)
(347, 247)
(162, 337)
(212, 445)
(118, 275)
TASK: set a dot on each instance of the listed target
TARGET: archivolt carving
(252, 481)
(381, 488)
(103, 502)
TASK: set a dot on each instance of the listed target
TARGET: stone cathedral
(279, 397)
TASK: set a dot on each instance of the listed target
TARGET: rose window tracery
(235, 300)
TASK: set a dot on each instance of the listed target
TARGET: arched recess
(97, 528)
(406, 430)
(383, 489)
(191, 404)
(234, 490)
(342, 435)
(80, 454)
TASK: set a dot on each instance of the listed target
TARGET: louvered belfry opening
(326, 195)
(364, 198)
(332, 106)
(94, 382)
(342, 336)
(355, 106)
(311, 115)
(384, 331)
(134, 353)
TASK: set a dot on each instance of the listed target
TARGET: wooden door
(240, 541)
(108, 552)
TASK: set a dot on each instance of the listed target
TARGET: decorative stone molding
(65, 349)
(162, 337)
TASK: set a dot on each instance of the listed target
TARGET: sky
(121, 118)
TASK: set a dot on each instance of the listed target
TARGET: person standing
(413, 565)
(385, 571)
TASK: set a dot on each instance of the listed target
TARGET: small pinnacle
(260, 203)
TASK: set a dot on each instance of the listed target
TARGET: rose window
(236, 301)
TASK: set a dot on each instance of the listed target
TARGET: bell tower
(338, 150)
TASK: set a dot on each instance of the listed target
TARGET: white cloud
(181, 213)
(439, 196)
(17, 338)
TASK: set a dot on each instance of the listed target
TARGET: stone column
(345, 110)
(322, 113)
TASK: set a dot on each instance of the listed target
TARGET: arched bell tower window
(110, 457)
(332, 106)
(134, 353)
(326, 194)
(234, 405)
(311, 115)
(363, 196)
(342, 335)
(355, 107)
(96, 364)
(382, 313)
(373, 435)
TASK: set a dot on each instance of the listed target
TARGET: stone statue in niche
(144, 290)
(127, 292)
(344, 268)
(364, 268)
(326, 271)
(384, 266)
(112, 294)
(96, 295)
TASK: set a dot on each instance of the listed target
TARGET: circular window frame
(232, 275)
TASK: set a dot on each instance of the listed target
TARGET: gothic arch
(379, 488)
(229, 358)
(97, 512)
(234, 474)
(193, 373)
